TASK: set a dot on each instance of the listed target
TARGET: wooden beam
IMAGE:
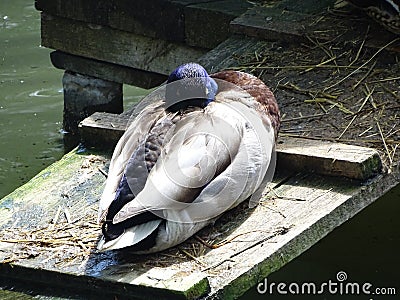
(102, 130)
(294, 22)
(294, 154)
(106, 71)
(328, 158)
(201, 23)
(226, 54)
(156, 18)
(90, 11)
(283, 20)
(207, 24)
(115, 46)
(222, 57)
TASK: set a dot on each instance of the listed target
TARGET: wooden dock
(338, 93)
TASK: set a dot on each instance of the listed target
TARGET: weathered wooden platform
(48, 233)
(48, 226)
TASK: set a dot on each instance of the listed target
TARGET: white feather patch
(130, 237)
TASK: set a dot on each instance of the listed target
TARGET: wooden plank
(114, 46)
(159, 18)
(90, 287)
(207, 24)
(270, 24)
(90, 11)
(221, 57)
(162, 19)
(156, 18)
(226, 54)
(294, 154)
(301, 210)
(294, 21)
(327, 158)
(102, 129)
(285, 21)
(106, 71)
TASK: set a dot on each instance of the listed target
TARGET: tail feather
(132, 236)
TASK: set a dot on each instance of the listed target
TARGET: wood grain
(115, 46)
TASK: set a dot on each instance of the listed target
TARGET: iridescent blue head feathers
(189, 85)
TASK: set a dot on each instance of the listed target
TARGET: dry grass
(336, 87)
(65, 243)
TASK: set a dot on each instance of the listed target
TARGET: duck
(385, 12)
(198, 146)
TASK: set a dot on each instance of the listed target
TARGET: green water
(31, 97)
(31, 101)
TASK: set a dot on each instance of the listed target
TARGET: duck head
(189, 85)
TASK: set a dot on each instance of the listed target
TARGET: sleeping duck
(198, 146)
(385, 12)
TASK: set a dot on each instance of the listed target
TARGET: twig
(311, 93)
(277, 196)
(384, 80)
(364, 141)
(274, 210)
(355, 116)
(192, 257)
(67, 215)
(57, 215)
(384, 143)
(320, 64)
(259, 64)
(389, 91)
(38, 241)
(365, 76)
(319, 45)
(304, 117)
(340, 106)
(365, 131)
(104, 173)
(361, 46)
(394, 151)
(371, 99)
(363, 65)
(323, 194)
(205, 243)
(392, 133)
